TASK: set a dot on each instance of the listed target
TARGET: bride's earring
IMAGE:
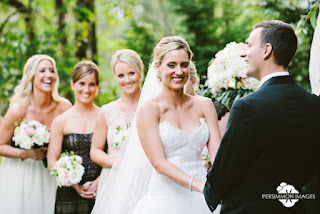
(159, 75)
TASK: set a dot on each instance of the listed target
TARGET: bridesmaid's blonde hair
(130, 57)
(194, 76)
(23, 92)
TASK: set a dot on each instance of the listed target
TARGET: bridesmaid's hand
(82, 190)
(93, 187)
(35, 154)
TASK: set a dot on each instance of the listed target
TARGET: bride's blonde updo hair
(130, 57)
(23, 92)
(170, 43)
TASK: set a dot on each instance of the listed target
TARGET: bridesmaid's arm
(211, 118)
(98, 144)
(148, 116)
(15, 113)
(56, 139)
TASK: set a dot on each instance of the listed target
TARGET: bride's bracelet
(190, 182)
(19, 151)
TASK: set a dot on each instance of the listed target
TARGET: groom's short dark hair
(282, 38)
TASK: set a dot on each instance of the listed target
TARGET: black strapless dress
(67, 199)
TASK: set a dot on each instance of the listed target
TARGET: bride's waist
(186, 158)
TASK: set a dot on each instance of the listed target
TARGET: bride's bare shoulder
(199, 100)
(149, 107)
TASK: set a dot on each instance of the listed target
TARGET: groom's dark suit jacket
(272, 137)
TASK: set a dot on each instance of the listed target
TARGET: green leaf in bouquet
(237, 97)
(228, 103)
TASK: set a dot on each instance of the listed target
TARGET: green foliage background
(208, 25)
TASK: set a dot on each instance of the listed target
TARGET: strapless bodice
(181, 144)
(183, 149)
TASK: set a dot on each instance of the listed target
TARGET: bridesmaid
(72, 131)
(26, 185)
(114, 122)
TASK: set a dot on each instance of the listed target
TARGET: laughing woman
(72, 131)
(26, 185)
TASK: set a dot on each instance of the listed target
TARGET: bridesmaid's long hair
(23, 92)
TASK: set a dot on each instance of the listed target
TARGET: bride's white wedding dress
(183, 150)
(133, 186)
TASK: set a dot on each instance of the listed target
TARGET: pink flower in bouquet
(31, 131)
(243, 74)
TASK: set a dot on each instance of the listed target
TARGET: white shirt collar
(275, 74)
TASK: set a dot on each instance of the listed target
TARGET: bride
(166, 175)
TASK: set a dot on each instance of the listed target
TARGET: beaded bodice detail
(116, 119)
(183, 149)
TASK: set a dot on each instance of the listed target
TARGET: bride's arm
(148, 116)
(99, 140)
(211, 118)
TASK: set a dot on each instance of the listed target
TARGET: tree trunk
(87, 45)
(61, 12)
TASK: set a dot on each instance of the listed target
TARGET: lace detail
(115, 118)
(220, 109)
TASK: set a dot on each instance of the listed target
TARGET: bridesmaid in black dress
(72, 131)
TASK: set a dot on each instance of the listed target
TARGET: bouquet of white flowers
(30, 134)
(68, 169)
(121, 135)
(227, 77)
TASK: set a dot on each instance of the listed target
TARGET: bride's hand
(197, 186)
(82, 190)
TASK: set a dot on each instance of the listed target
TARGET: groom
(271, 145)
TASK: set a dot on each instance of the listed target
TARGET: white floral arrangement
(121, 135)
(68, 169)
(227, 78)
(30, 134)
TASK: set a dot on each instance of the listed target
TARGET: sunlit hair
(84, 68)
(170, 43)
(130, 57)
(194, 76)
(23, 92)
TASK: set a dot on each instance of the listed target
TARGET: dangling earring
(159, 75)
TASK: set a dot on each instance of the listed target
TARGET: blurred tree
(86, 40)
(27, 12)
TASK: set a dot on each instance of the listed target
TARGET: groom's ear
(267, 50)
